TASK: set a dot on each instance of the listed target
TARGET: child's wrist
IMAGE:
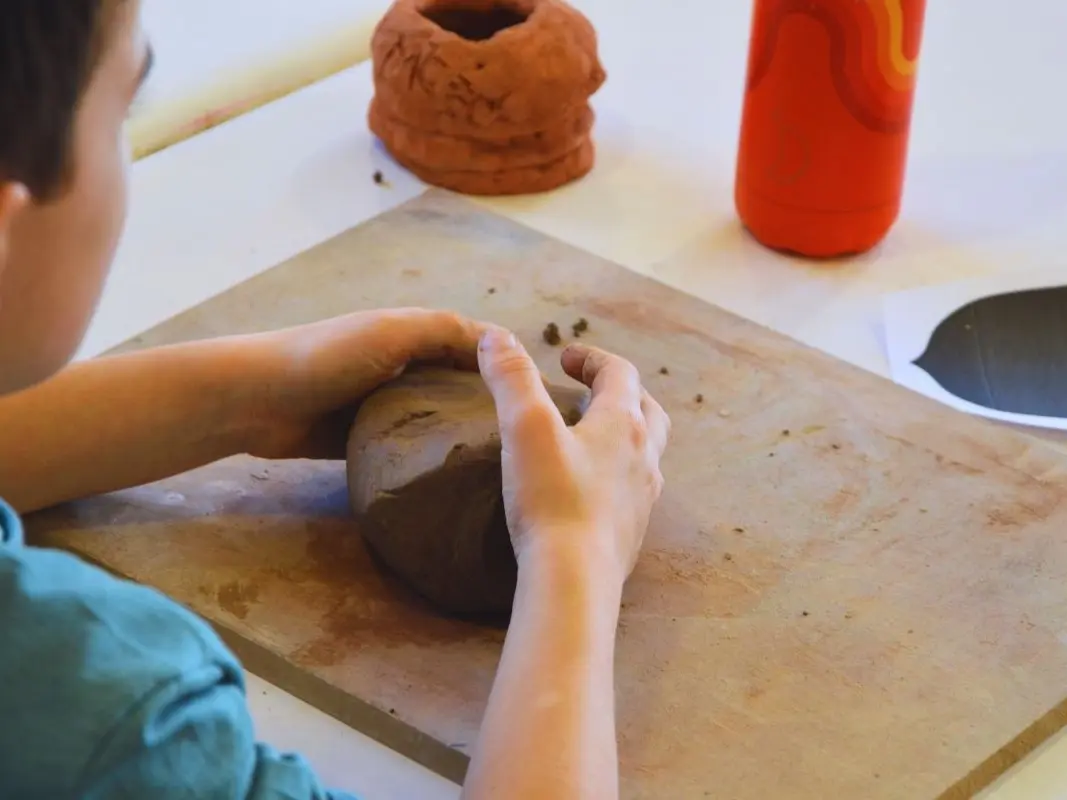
(574, 560)
(238, 374)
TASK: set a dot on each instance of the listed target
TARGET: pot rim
(534, 14)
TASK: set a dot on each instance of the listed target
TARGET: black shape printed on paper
(1007, 352)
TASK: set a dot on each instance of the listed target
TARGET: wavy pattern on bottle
(870, 42)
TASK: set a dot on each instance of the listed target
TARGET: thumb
(516, 385)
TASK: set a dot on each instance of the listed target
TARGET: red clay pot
(486, 97)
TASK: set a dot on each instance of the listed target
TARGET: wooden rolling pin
(158, 126)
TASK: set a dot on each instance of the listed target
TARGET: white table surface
(987, 193)
(197, 42)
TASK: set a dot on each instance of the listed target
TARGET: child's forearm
(549, 729)
(122, 421)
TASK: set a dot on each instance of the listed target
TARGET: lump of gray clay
(424, 481)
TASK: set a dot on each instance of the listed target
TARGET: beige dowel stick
(156, 127)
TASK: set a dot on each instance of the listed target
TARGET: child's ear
(14, 197)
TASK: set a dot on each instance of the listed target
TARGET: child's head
(69, 70)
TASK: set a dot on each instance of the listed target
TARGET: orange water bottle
(824, 130)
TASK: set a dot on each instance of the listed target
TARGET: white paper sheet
(912, 316)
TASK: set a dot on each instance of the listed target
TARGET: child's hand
(308, 381)
(585, 491)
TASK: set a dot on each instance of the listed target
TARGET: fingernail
(575, 352)
(498, 339)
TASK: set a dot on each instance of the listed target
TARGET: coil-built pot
(486, 97)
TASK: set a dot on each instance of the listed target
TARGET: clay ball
(425, 485)
(486, 97)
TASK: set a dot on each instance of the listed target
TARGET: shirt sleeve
(110, 690)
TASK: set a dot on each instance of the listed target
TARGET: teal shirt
(108, 691)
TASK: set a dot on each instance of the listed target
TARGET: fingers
(429, 336)
(527, 415)
(657, 422)
(615, 382)
(518, 388)
(616, 386)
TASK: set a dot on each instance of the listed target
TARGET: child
(110, 690)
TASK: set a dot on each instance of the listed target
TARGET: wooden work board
(848, 591)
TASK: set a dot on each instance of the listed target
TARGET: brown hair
(48, 51)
